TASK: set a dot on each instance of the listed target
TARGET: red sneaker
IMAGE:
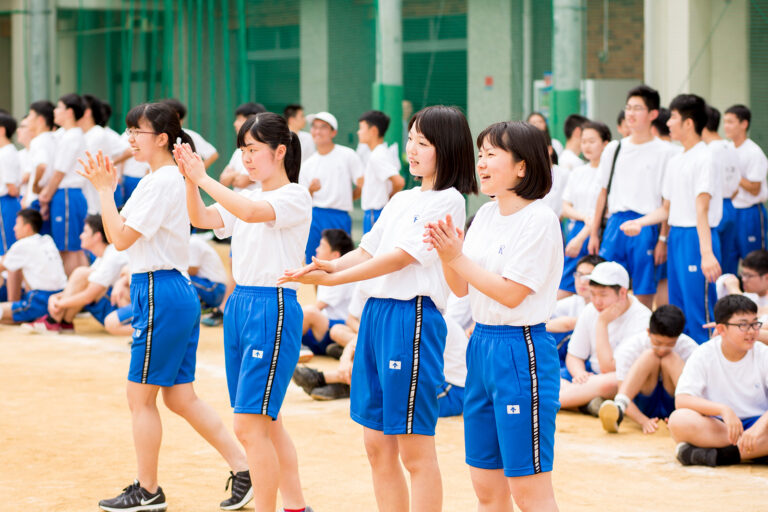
(46, 325)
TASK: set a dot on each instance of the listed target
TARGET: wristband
(662, 239)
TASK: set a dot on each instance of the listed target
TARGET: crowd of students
(627, 284)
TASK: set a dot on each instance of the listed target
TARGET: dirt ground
(65, 442)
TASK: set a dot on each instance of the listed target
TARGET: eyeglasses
(744, 276)
(634, 108)
(579, 275)
(133, 132)
(755, 326)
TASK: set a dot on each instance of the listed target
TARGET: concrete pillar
(729, 49)
(567, 58)
(18, 64)
(39, 53)
(313, 56)
(388, 87)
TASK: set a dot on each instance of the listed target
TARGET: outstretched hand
(190, 164)
(99, 171)
(317, 272)
(445, 238)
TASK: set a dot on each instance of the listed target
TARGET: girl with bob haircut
(262, 319)
(399, 357)
(510, 265)
(153, 227)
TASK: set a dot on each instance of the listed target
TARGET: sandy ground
(66, 443)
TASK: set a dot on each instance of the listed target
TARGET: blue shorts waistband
(330, 210)
(507, 330)
(425, 301)
(627, 214)
(143, 277)
(269, 291)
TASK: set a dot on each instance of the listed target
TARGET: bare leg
(77, 282)
(7, 316)
(671, 368)
(113, 326)
(662, 294)
(575, 395)
(315, 320)
(72, 260)
(420, 460)
(290, 483)
(253, 431)
(388, 478)
(147, 431)
(342, 334)
(561, 294)
(642, 376)
(534, 492)
(13, 285)
(492, 490)
(646, 300)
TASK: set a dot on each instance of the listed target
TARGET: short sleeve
(756, 165)
(66, 157)
(693, 379)
(229, 222)
(116, 144)
(536, 251)
(202, 147)
(581, 340)
(149, 211)
(108, 270)
(11, 169)
(568, 192)
(292, 206)
(354, 166)
(381, 166)
(16, 256)
(706, 183)
(195, 253)
(666, 184)
(411, 240)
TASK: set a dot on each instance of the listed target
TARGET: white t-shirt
(583, 342)
(337, 299)
(202, 147)
(42, 151)
(525, 247)
(459, 309)
(401, 226)
(753, 165)
(455, 353)
(638, 177)
(263, 251)
(307, 145)
(725, 159)
(630, 349)
(377, 187)
(570, 307)
(70, 147)
(357, 303)
(582, 189)
(554, 198)
(206, 259)
(337, 172)
(26, 173)
(569, 160)
(741, 385)
(10, 168)
(689, 174)
(39, 261)
(132, 167)
(722, 292)
(236, 163)
(105, 271)
(158, 210)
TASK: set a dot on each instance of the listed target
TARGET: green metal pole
(242, 54)
(127, 60)
(212, 63)
(227, 59)
(388, 87)
(143, 57)
(199, 57)
(169, 43)
(152, 56)
(566, 60)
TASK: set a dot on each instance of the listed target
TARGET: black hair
(614, 287)
(601, 128)
(621, 117)
(31, 217)
(97, 110)
(713, 118)
(176, 106)
(649, 95)
(692, 107)
(94, 222)
(376, 118)
(536, 113)
(75, 102)
(272, 130)
(660, 123)
(526, 143)
(742, 112)
(106, 110)
(249, 109)
(572, 122)
(447, 129)
(591, 259)
(163, 120)
(291, 110)
(339, 240)
(731, 305)
(9, 123)
(44, 108)
(756, 260)
(667, 320)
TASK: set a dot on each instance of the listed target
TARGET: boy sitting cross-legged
(722, 394)
(648, 366)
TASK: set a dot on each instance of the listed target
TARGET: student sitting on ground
(88, 288)
(40, 263)
(332, 306)
(753, 282)
(605, 323)
(648, 366)
(207, 273)
(722, 394)
(568, 309)
(118, 322)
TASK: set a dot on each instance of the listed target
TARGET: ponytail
(293, 158)
(163, 119)
(272, 130)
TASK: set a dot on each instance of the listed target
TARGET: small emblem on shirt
(416, 218)
(258, 354)
(501, 248)
(395, 365)
(513, 409)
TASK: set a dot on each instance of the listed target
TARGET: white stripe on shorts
(534, 400)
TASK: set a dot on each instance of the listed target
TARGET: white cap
(324, 116)
(609, 273)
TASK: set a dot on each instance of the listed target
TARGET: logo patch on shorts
(137, 333)
(650, 252)
(395, 365)
(513, 409)
(59, 218)
(692, 268)
(751, 239)
(258, 354)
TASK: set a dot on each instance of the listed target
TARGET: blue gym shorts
(33, 305)
(68, 210)
(322, 219)
(511, 399)
(318, 346)
(729, 234)
(751, 225)
(210, 293)
(398, 366)
(262, 339)
(450, 400)
(659, 404)
(570, 264)
(101, 308)
(9, 207)
(634, 253)
(369, 219)
(166, 326)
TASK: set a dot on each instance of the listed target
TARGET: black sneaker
(334, 350)
(593, 407)
(214, 319)
(135, 499)
(690, 455)
(611, 416)
(242, 490)
(330, 392)
(308, 378)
